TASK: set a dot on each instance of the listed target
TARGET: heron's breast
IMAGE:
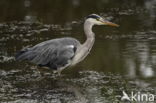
(80, 54)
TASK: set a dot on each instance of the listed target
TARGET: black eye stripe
(93, 16)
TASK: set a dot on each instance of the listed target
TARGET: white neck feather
(88, 29)
(83, 51)
(89, 34)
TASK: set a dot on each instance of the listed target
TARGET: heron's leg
(59, 70)
(42, 70)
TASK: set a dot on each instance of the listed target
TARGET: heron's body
(57, 54)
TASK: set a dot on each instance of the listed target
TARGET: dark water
(122, 59)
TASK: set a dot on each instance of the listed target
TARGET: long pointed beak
(110, 23)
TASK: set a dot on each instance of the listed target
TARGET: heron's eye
(97, 19)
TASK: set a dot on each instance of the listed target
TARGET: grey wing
(55, 57)
(54, 53)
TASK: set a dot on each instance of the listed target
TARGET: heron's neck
(88, 30)
(89, 34)
(83, 51)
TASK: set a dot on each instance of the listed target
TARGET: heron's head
(97, 20)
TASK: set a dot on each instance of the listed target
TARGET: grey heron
(57, 54)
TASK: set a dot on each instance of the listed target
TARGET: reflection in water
(131, 66)
(138, 59)
(150, 5)
(30, 19)
(27, 3)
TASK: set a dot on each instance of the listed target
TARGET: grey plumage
(54, 53)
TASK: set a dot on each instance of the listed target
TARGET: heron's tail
(19, 54)
(24, 54)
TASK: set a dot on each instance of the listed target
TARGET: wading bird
(57, 54)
